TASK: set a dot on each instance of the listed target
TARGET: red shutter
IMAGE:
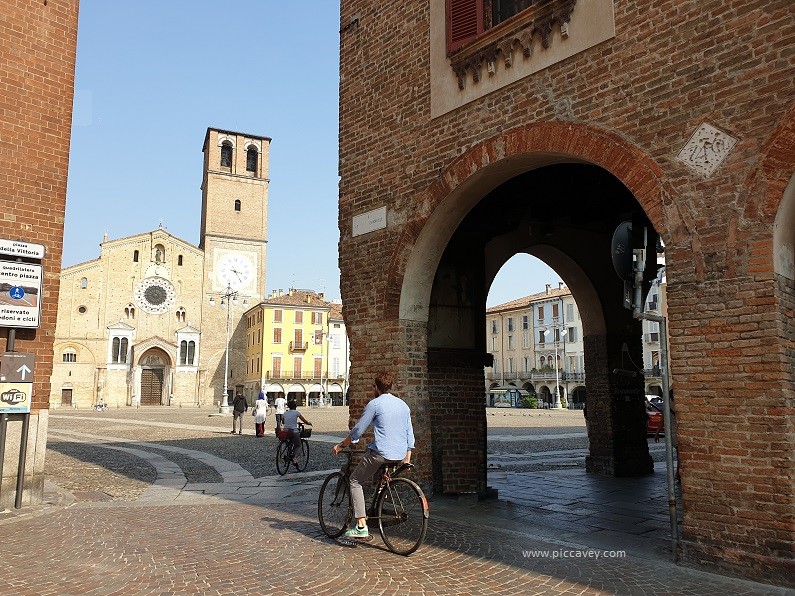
(464, 22)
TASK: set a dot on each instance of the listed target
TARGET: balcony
(298, 346)
(303, 375)
(652, 372)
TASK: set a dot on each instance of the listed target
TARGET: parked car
(654, 415)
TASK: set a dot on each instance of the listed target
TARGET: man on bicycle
(394, 442)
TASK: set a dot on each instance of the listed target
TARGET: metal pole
(640, 264)
(228, 297)
(320, 397)
(3, 429)
(23, 451)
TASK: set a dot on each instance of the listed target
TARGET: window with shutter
(464, 22)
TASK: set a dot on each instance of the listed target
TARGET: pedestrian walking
(280, 406)
(260, 413)
(239, 407)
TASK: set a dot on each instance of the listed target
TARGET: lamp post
(319, 338)
(561, 333)
(228, 295)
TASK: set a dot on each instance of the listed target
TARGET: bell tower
(233, 236)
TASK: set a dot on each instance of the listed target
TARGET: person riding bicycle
(394, 442)
(291, 418)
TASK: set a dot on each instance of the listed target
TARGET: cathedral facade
(149, 322)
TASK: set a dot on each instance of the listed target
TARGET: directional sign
(20, 294)
(15, 398)
(15, 248)
(17, 367)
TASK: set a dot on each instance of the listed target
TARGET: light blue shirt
(391, 420)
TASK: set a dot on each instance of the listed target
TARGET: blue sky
(151, 76)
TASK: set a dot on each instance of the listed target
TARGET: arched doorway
(154, 384)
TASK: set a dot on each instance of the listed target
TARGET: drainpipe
(640, 264)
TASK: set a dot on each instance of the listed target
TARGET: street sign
(20, 294)
(17, 367)
(15, 398)
(15, 248)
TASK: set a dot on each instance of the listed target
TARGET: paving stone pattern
(201, 517)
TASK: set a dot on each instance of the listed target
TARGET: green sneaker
(357, 533)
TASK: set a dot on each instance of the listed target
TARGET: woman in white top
(260, 413)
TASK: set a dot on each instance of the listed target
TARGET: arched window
(116, 348)
(135, 256)
(543, 360)
(237, 204)
(123, 351)
(69, 355)
(179, 260)
(226, 155)
(251, 160)
(187, 352)
(180, 314)
(160, 254)
(129, 311)
(84, 283)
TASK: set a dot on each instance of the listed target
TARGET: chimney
(561, 285)
(549, 288)
(309, 298)
(321, 296)
(280, 293)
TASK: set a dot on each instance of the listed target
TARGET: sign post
(20, 294)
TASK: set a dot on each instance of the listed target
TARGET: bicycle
(285, 451)
(398, 504)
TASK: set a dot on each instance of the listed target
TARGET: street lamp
(228, 295)
(319, 335)
(561, 333)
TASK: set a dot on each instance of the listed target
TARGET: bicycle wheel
(402, 511)
(334, 505)
(303, 457)
(284, 457)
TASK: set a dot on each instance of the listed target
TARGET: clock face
(155, 295)
(235, 270)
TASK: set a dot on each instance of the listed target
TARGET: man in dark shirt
(239, 407)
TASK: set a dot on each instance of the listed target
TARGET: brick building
(472, 130)
(38, 43)
(146, 322)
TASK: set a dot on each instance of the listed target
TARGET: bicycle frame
(383, 484)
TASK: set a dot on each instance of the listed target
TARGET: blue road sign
(16, 293)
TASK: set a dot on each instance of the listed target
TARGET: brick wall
(36, 90)
(629, 105)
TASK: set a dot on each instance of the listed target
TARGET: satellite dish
(621, 250)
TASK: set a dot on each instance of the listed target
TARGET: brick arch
(497, 159)
(776, 168)
(778, 195)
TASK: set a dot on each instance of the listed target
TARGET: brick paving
(221, 527)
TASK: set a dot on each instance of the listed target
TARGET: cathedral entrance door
(152, 386)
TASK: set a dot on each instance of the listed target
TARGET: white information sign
(369, 222)
(15, 248)
(20, 294)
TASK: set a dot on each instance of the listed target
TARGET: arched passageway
(566, 215)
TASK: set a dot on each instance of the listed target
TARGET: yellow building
(296, 347)
(143, 324)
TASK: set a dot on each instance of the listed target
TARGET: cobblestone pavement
(158, 501)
